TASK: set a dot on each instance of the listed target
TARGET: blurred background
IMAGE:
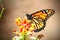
(19, 8)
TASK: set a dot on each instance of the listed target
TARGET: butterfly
(39, 18)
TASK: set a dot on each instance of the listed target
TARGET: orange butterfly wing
(39, 14)
(43, 14)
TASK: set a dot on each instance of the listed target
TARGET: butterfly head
(29, 16)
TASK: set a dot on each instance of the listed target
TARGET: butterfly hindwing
(39, 24)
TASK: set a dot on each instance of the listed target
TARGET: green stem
(1, 12)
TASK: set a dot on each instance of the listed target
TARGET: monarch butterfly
(39, 18)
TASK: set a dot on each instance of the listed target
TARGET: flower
(25, 25)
